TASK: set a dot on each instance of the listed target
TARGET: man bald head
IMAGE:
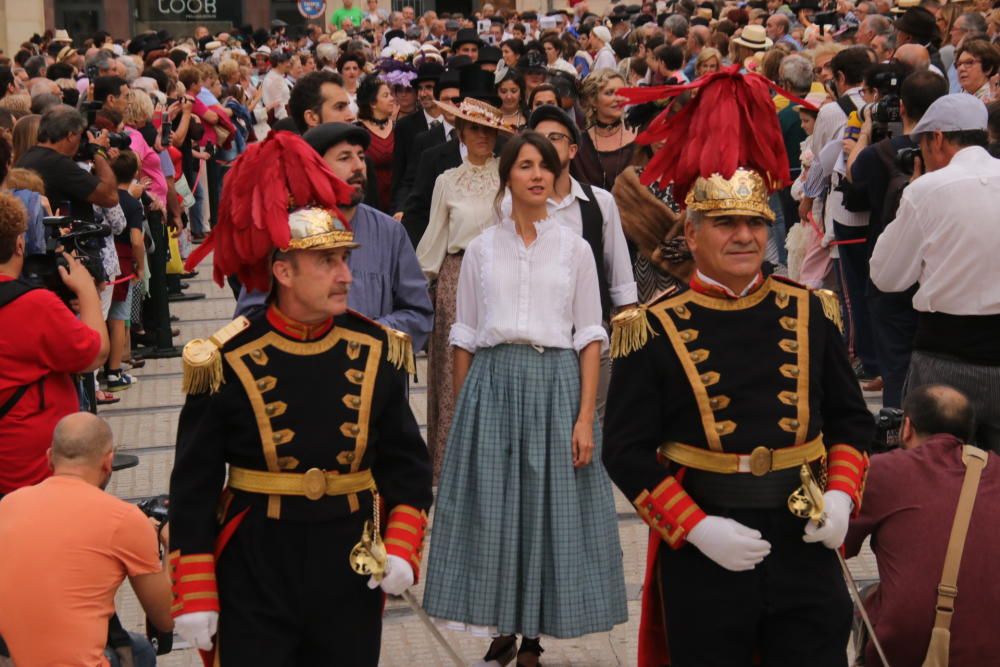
(933, 409)
(914, 55)
(83, 446)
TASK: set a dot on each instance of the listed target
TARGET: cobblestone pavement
(145, 423)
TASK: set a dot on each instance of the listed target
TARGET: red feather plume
(730, 123)
(270, 179)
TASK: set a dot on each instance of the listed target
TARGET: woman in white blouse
(461, 208)
(525, 532)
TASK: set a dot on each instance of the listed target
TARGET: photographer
(943, 238)
(60, 133)
(59, 594)
(875, 174)
(909, 509)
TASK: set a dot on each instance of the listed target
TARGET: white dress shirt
(830, 124)
(605, 59)
(461, 208)
(946, 236)
(276, 90)
(617, 263)
(544, 294)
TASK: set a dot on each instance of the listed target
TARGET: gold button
(359, 376)
(760, 461)
(714, 402)
(356, 402)
(257, 354)
(793, 397)
(720, 428)
(794, 372)
(681, 310)
(793, 346)
(794, 423)
(685, 336)
(349, 457)
(706, 377)
(278, 437)
(270, 410)
(262, 384)
(355, 430)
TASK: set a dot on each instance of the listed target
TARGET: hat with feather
(723, 152)
(279, 195)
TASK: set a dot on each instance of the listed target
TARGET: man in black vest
(592, 212)
(409, 127)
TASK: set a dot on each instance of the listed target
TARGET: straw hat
(62, 36)
(477, 112)
(754, 37)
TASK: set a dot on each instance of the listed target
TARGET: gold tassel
(400, 352)
(831, 307)
(202, 367)
(630, 330)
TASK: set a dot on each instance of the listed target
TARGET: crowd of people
(510, 187)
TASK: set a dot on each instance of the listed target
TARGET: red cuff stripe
(404, 535)
(847, 471)
(194, 584)
(670, 511)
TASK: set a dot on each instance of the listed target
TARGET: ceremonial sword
(429, 624)
(807, 502)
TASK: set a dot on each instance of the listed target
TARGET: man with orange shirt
(59, 594)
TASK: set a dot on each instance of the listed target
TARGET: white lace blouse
(545, 294)
(461, 208)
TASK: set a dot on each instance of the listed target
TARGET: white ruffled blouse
(544, 294)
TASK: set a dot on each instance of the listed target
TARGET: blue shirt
(388, 287)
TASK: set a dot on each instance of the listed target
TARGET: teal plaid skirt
(522, 542)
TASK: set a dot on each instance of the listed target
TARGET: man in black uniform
(306, 407)
(720, 393)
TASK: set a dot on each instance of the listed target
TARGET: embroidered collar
(704, 285)
(295, 329)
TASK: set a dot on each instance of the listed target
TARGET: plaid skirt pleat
(522, 542)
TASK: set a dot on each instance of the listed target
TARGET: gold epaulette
(203, 359)
(400, 353)
(630, 331)
(831, 306)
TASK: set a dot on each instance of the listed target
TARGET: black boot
(530, 651)
(502, 650)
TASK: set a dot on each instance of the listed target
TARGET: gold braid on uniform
(400, 353)
(630, 330)
(203, 359)
(831, 306)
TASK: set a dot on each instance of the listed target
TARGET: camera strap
(9, 291)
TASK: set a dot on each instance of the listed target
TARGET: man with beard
(388, 286)
(410, 126)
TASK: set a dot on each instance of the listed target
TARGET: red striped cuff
(193, 578)
(404, 535)
(669, 510)
(847, 470)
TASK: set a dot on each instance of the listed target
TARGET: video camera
(81, 238)
(887, 119)
(156, 508)
(888, 422)
(88, 150)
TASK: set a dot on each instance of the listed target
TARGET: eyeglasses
(558, 136)
(967, 63)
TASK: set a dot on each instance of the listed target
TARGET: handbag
(184, 190)
(937, 652)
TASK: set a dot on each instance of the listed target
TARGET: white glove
(197, 628)
(837, 506)
(397, 578)
(729, 543)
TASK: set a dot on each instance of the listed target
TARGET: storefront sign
(312, 9)
(189, 10)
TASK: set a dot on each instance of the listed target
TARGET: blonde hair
(704, 56)
(25, 179)
(24, 135)
(824, 49)
(592, 87)
(227, 68)
(138, 108)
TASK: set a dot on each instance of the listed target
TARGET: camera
(888, 422)
(155, 507)
(88, 150)
(906, 159)
(887, 118)
(81, 238)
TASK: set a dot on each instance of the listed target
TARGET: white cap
(265, 49)
(601, 33)
(953, 113)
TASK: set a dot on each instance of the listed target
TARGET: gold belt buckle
(760, 461)
(314, 483)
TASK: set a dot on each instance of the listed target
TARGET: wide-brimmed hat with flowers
(478, 112)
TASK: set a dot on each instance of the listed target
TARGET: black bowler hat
(919, 23)
(554, 113)
(466, 36)
(323, 137)
(479, 85)
(449, 79)
(489, 55)
(428, 71)
(532, 62)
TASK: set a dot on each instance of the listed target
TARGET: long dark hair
(508, 156)
(368, 91)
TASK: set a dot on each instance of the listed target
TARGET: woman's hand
(583, 443)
